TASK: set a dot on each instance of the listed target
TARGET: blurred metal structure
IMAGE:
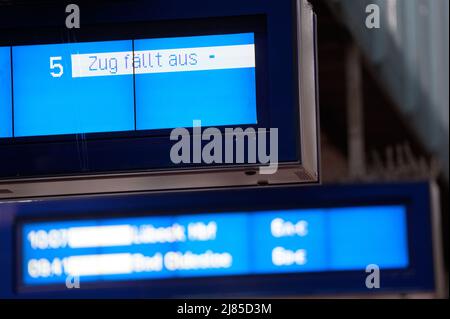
(409, 54)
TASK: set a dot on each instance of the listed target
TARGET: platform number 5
(56, 66)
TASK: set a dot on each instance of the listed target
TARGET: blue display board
(235, 243)
(103, 87)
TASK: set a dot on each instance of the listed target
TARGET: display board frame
(105, 168)
(423, 277)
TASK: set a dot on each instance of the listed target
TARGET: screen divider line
(134, 86)
(12, 91)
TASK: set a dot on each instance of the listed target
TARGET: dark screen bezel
(160, 29)
(89, 146)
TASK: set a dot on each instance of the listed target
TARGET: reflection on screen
(128, 85)
(263, 242)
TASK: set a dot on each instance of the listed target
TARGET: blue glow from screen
(48, 105)
(5, 93)
(263, 242)
(98, 87)
(216, 97)
(195, 42)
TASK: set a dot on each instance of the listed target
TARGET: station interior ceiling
(394, 148)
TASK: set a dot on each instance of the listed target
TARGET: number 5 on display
(54, 66)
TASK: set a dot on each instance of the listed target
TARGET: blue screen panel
(263, 242)
(49, 100)
(206, 78)
(130, 85)
(5, 93)
(368, 225)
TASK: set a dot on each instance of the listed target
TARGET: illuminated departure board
(205, 245)
(129, 85)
